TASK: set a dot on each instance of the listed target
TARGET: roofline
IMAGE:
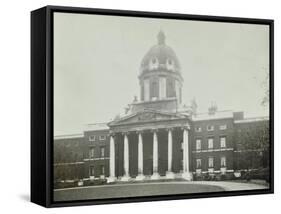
(252, 119)
(69, 136)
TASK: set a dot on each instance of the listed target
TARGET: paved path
(149, 189)
(233, 186)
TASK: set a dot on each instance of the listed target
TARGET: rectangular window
(210, 143)
(102, 137)
(210, 128)
(198, 144)
(223, 161)
(198, 129)
(223, 127)
(198, 163)
(92, 152)
(92, 171)
(102, 170)
(223, 142)
(102, 151)
(211, 162)
(92, 138)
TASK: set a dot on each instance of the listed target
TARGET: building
(158, 137)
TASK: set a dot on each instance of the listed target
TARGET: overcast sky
(97, 60)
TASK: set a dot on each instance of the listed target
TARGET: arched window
(154, 89)
(171, 92)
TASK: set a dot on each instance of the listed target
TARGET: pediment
(146, 116)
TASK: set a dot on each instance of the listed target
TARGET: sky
(97, 60)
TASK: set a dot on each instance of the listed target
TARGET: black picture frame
(42, 103)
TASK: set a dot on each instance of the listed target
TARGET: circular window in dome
(170, 64)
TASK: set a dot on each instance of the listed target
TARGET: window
(223, 127)
(211, 162)
(223, 142)
(92, 138)
(198, 144)
(210, 143)
(154, 90)
(92, 152)
(102, 137)
(198, 129)
(198, 163)
(102, 149)
(92, 171)
(102, 170)
(223, 161)
(210, 128)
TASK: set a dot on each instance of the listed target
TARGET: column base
(140, 177)
(155, 176)
(125, 178)
(187, 176)
(170, 175)
(111, 179)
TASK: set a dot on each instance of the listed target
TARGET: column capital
(185, 127)
(139, 131)
(125, 133)
(170, 129)
(111, 134)
(154, 130)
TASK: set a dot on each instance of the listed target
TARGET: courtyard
(150, 189)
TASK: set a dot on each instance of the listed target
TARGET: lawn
(129, 190)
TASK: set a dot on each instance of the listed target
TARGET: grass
(131, 190)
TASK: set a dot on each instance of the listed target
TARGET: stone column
(112, 177)
(126, 176)
(140, 158)
(186, 173)
(155, 174)
(169, 173)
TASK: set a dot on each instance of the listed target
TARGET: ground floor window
(92, 171)
(102, 170)
(211, 162)
(223, 161)
(198, 163)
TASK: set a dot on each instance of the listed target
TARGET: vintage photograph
(150, 106)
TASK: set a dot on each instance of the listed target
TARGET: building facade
(158, 137)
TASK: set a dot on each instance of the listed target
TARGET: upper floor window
(198, 144)
(210, 128)
(102, 137)
(211, 162)
(223, 142)
(223, 161)
(102, 151)
(92, 152)
(210, 143)
(92, 138)
(223, 127)
(198, 163)
(198, 129)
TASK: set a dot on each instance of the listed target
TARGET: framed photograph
(134, 106)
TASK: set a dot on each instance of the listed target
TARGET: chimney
(238, 115)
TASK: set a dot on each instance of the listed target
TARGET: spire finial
(161, 38)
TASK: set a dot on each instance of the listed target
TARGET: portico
(157, 148)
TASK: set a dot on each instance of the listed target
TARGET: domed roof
(161, 53)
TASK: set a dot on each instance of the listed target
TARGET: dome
(160, 56)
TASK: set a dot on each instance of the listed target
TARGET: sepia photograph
(147, 106)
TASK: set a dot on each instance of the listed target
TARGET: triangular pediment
(146, 116)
